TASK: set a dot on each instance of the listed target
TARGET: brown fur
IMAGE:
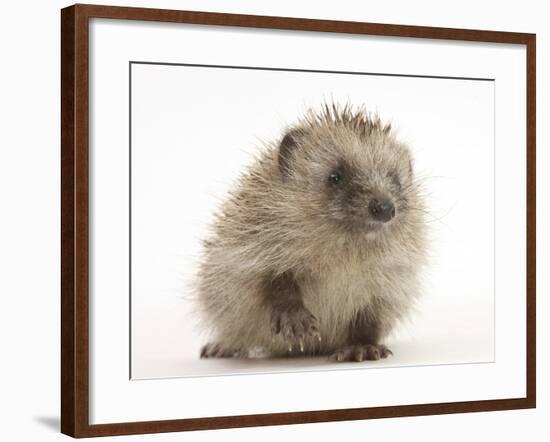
(296, 263)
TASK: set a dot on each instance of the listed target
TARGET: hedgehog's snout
(381, 209)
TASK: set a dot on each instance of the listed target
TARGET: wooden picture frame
(75, 132)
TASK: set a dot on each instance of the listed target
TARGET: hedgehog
(318, 250)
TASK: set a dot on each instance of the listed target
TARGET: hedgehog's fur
(282, 219)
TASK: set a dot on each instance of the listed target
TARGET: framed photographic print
(263, 217)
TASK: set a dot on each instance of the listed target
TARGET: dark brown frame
(74, 219)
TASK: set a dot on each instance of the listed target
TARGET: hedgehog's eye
(395, 179)
(335, 178)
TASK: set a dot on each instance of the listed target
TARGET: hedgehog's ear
(288, 145)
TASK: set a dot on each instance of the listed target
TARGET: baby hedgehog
(319, 248)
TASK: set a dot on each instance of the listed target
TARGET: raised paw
(362, 352)
(295, 325)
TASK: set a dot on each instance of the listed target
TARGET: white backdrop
(30, 242)
(182, 169)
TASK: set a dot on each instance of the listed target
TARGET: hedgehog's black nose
(381, 209)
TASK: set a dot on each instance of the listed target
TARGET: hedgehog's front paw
(294, 324)
(362, 352)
